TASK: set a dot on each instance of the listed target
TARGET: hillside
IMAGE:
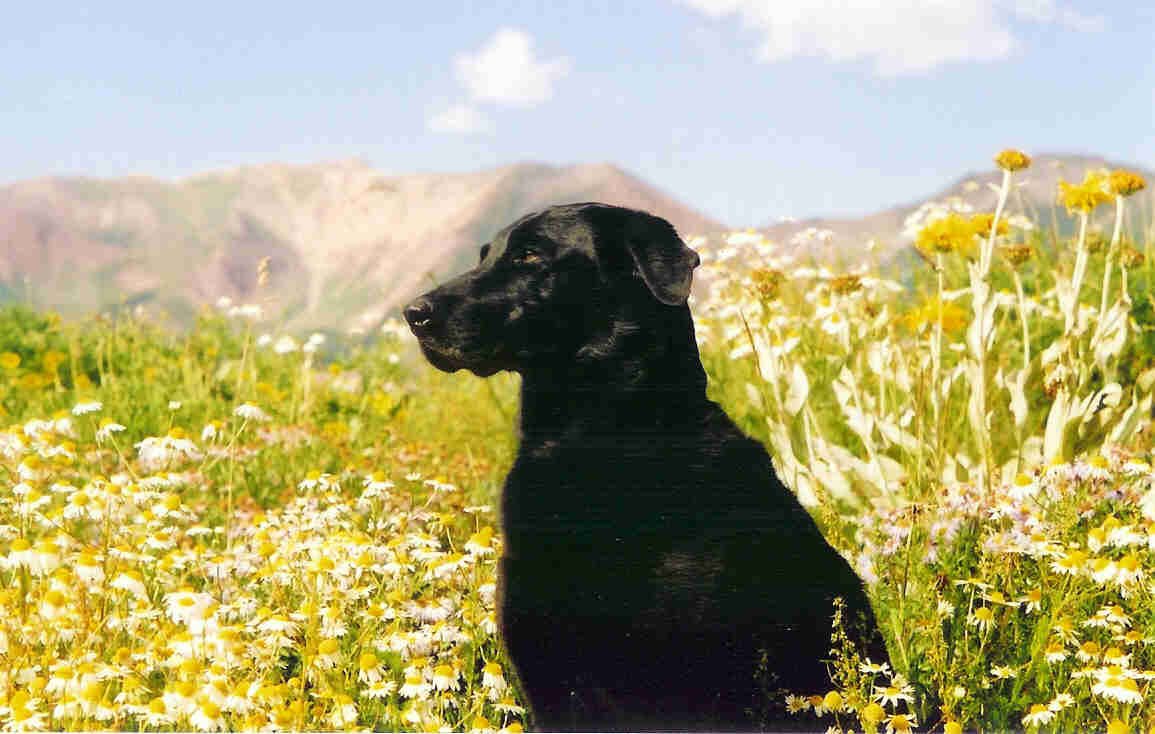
(1035, 196)
(346, 243)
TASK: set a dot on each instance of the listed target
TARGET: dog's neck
(628, 377)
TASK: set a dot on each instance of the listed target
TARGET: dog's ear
(662, 259)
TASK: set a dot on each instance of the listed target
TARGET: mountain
(346, 244)
(1035, 196)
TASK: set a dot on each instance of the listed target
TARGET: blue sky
(748, 110)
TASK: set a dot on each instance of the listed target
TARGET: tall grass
(978, 445)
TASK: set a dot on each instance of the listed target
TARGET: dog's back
(647, 572)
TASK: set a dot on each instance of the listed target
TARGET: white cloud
(1046, 11)
(505, 71)
(460, 119)
(897, 36)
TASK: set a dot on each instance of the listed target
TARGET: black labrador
(657, 574)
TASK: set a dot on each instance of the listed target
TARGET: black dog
(653, 559)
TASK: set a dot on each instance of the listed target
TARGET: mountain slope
(346, 244)
(1035, 196)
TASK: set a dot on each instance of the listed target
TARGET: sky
(747, 110)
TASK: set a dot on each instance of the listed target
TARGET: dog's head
(547, 283)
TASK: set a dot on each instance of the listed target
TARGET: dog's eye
(528, 257)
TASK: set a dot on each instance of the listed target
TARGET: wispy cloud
(504, 71)
(897, 37)
(1047, 11)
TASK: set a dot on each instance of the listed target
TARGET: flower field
(237, 528)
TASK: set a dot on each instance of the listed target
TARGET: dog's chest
(613, 492)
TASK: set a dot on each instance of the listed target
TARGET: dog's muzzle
(419, 314)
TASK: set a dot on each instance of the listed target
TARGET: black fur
(652, 555)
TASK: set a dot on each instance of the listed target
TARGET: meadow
(232, 527)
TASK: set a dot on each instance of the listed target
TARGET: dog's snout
(419, 314)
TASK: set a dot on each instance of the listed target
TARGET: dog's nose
(419, 314)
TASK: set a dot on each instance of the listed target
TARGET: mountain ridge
(1037, 194)
(345, 242)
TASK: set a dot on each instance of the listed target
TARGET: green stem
(1023, 318)
(1112, 251)
(1107, 267)
(1077, 276)
(936, 351)
(982, 286)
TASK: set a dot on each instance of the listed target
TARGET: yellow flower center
(92, 692)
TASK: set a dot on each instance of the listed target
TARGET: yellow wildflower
(954, 318)
(1118, 727)
(952, 233)
(846, 284)
(872, 713)
(1012, 160)
(767, 282)
(832, 701)
(900, 723)
(1085, 196)
(982, 225)
(1125, 183)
